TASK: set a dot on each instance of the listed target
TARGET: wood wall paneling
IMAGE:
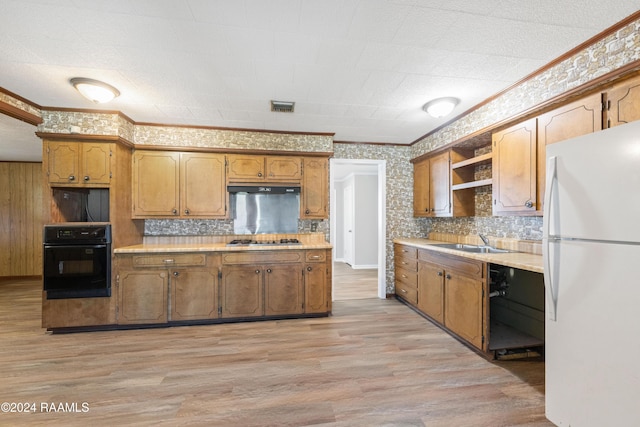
(20, 219)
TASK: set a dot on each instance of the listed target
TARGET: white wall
(365, 230)
(366, 221)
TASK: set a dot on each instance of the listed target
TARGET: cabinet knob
(307, 211)
(440, 273)
(402, 290)
(257, 271)
(529, 204)
(426, 210)
(268, 270)
(72, 177)
(176, 274)
(86, 178)
(174, 211)
(187, 211)
(260, 174)
(448, 276)
(309, 269)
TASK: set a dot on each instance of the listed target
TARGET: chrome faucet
(485, 240)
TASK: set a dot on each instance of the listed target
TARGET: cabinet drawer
(405, 251)
(466, 266)
(408, 278)
(407, 293)
(169, 260)
(406, 263)
(316, 256)
(256, 257)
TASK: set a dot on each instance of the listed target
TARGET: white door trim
(382, 218)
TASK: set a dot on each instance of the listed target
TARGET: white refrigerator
(591, 250)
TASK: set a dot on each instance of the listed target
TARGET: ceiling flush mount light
(441, 107)
(282, 106)
(94, 90)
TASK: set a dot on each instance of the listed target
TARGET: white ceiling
(361, 69)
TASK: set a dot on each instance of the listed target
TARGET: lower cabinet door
(283, 289)
(315, 288)
(142, 297)
(431, 290)
(193, 294)
(241, 291)
(463, 307)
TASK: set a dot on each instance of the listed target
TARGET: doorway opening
(358, 224)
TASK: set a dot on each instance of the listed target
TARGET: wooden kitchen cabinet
(283, 289)
(515, 170)
(314, 196)
(448, 289)
(145, 283)
(405, 271)
(86, 164)
(622, 102)
(432, 186)
(577, 118)
(431, 290)
(142, 296)
(194, 294)
(317, 281)
(182, 185)
(258, 169)
(241, 291)
(464, 306)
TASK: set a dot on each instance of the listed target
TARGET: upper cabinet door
(63, 162)
(79, 163)
(202, 185)
(623, 102)
(156, 184)
(95, 163)
(575, 119)
(284, 169)
(440, 185)
(514, 169)
(245, 168)
(314, 188)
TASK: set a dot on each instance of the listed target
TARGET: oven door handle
(78, 246)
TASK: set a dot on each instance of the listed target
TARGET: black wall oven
(77, 260)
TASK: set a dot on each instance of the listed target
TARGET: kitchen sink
(473, 248)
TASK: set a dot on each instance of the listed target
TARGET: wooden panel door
(315, 192)
(315, 288)
(64, 162)
(464, 307)
(283, 168)
(283, 288)
(202, 185)
(440, 185)
(194, 294)
(156, 177)
(95, 163)
(245, 168)
(623, 102)
(241, 291)
(514, 170)
(142, 296)
(575, 119)
(421, 195)
(431, 290)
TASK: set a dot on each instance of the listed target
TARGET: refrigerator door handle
(550, 289)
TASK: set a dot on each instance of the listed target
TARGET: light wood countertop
(522, 260)
(165, 244)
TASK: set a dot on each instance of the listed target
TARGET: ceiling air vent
(282, 106)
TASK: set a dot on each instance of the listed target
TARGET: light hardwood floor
(350, 283)
(374, 362)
